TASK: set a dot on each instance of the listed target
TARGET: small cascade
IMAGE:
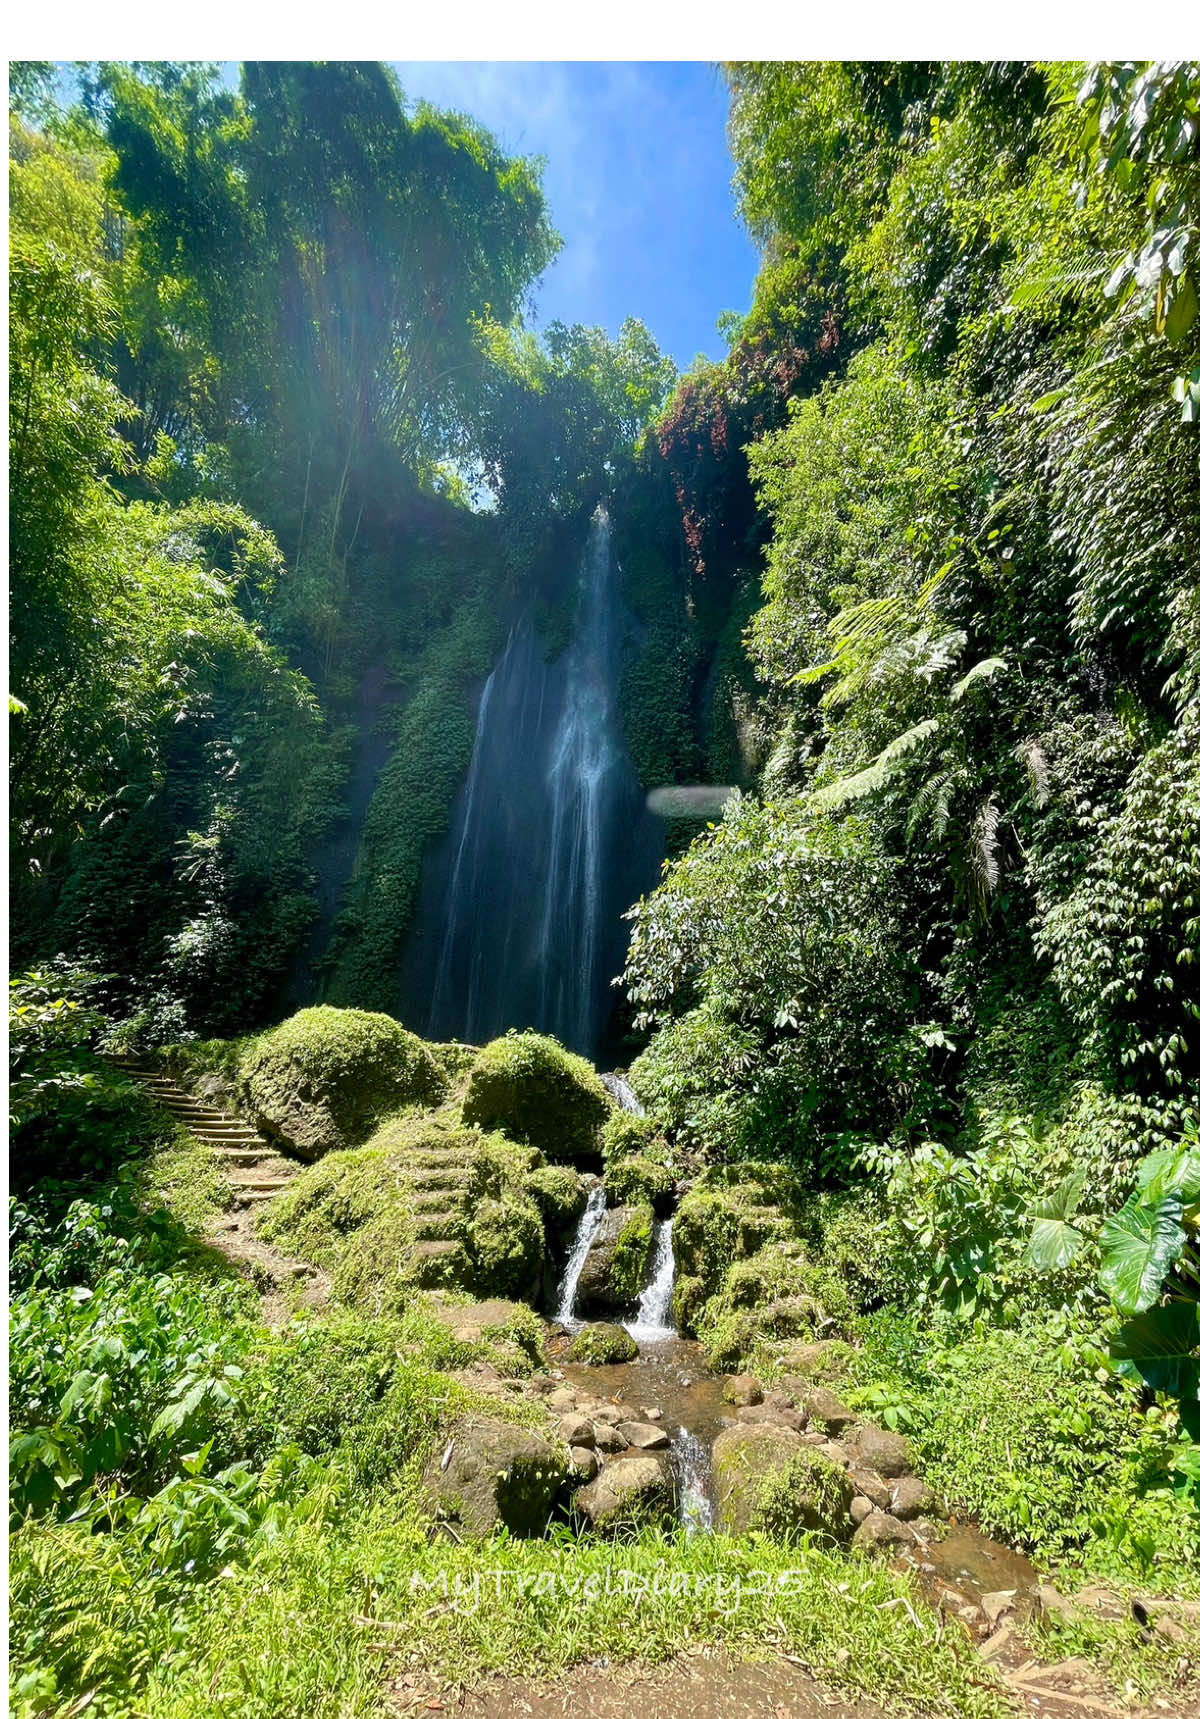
(652, 1322)
(692, 1459)
(585, 1235)
(622, 1094)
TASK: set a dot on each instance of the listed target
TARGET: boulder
(577, 1429)
(762, 1415)
(860, 1508)
(585, 1464)
(872, 1486)
(826, 1410)
(601, 1345)
(489, 1474)
(614, 1272)
(634, 1489)
(609, 1438)
(888, 1453)
(742, 1390)
(910, 1498)
(766, 1479)
(643, 1436)
(879, 1533)
(533, 1090)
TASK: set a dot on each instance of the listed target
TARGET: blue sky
(638, 179)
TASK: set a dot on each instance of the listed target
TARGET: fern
(878, 773)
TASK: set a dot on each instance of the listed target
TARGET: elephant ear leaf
(1161, 1347)
(1171, 1171)
(1140, 1244)
(1053, 1240)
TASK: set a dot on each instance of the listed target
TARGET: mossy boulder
(615, 1270)
(487, 1474)
(776, 1296)
(508, 1334)
(637, 1180)
(601, 1345)
(626, 1135)
(630, 1492)
(424, 1203)
(561, 1195)
(767, 1481)
(533, 1090)
(321, 1081)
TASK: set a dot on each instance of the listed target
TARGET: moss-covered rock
(601, 1345)
(776, 1296)
(615, 1270)
(626, 1134)
(766, 1480)
(561, 1195)
(532, 1089)
(322, 1080)
(488, 1474)
(637, 1180)
(507, 1334)
(424, 1203)
(631, 1492)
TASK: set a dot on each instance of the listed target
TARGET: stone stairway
(439, 1184)
(252, 1168)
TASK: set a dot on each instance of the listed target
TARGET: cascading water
(652, 1322)
(585, 1235)
(692, 1460)
(519, 922)
(622, 1094)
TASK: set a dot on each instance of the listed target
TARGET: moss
(631, 1257)
(807, 1495)
(778, 1294)
(602, 1345)
(637, 1180)
(535, 1091)
(625, 1134)
(323, 1079)
(561, 1195)
(424, 1202)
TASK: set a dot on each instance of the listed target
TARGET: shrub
(322, 1079)
(535, 1091)
(625, 1134)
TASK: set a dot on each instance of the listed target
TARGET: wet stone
(879, 1533)
(910, 1498)
(742, 1390)
(577, 1429)
(860, 1509)
(643, 1436)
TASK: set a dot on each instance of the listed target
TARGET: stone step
(438, 1226)
(437, 1178)
(437, 1262)
(437, 1200)
(249, 1155)
(258, 1184)
(252, 1196)
(435, 1157)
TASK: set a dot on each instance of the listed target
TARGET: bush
(535, 1091)
(324, 1078)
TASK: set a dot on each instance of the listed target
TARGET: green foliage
(326, 1076)
(634, 1180)
(800, 1497)
(602, 1345)
(537, 1092)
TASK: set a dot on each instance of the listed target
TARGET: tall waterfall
(519, 922)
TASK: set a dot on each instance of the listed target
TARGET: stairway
(254, 1170)
(439, 1184)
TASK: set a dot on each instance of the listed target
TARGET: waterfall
(585, 1235)
(652, 1322)
(692, 1459)
(622, 1094)
(519, 920)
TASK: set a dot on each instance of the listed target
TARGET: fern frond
(985, 847)
(1045, 284)
(1030, 753)
(985, 670)
(876, 774)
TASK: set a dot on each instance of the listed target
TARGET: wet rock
(860, 1508)
(872, 1485)
(910, 1498)
(643, 1436)
(742, 1390)
(562, 1399)
(652, 1414)
(888, 1453)
(607, 1414)
(614, 1273)
(601, 1345)
(489, 1474)
(879, 1533)
(585, 1465)
(577, 1429)
(826, 1410)
(778, 1399)
(609, 1438)
(636, 1489)
(765, 1478)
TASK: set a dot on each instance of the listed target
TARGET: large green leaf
(1162, 1348)
(1171, 1170)
(1053, 1241)
(1140, 1244)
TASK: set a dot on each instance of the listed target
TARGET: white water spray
(652, 1322)
(585, 1235)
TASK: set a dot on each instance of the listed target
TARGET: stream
(670, 1377)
